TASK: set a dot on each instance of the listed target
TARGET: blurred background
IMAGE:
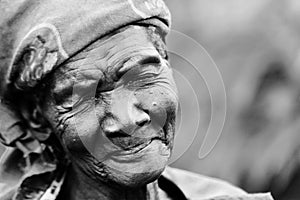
(256, 46)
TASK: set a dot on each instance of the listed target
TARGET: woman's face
(114, 107)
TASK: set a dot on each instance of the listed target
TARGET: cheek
(161, 100)
(83, 135)
(164, 93)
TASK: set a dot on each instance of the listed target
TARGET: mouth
(132, 144)
(140, 147)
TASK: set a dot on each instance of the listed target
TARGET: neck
(79, 186)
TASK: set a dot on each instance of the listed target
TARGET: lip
(152, 150)
(136, 139)
(142, 144)
(153, 146)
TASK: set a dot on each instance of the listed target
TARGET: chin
(130, 168)
(139, 168)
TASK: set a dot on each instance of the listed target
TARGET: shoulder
(196, 186)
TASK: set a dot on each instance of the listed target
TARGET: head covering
(60, 29)
(36, 37)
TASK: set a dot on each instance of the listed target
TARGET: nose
(126, 115)
(140, 116)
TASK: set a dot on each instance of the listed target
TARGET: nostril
(143, 123)
(143, 119)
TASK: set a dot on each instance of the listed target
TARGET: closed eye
(150, 60)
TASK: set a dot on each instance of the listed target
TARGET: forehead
(104, 57)
(111, 51)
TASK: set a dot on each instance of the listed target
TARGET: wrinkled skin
(113, 106)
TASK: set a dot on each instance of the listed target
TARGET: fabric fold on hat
(66, 27)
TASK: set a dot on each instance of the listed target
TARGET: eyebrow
(113, 51)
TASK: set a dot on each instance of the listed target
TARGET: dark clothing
(173, 184)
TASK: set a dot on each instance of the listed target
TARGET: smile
(140, 147)
(139, 143)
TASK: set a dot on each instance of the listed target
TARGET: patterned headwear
(38, 36)
(46, 33)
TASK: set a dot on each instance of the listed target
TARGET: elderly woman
(88, 104)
